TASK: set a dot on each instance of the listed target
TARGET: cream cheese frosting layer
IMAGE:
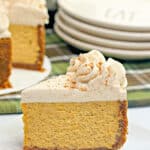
(27, 12)
(89, 78)
(4, 22)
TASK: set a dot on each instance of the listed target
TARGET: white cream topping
(4, 22)
(86, 66)
(89, 78)
(27, 12)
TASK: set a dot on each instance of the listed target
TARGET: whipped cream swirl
(86, 67)
(114, 74)
(91, 71)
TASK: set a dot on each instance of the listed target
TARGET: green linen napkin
(11, 106)
(59, 53)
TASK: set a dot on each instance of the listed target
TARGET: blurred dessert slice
(5, 48)
(27, 20)
(84, 109)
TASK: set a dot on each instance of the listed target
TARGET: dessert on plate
(5, 49)
(84, 109)
(27, 20)
(24, 45)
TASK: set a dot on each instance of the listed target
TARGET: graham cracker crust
(120, 140)
(38, 64)
(5, 85)
(5, 62)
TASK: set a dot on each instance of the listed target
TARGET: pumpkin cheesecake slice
(84, 109)
(5, 49)
(27, 26)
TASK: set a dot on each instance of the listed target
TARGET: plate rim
(125, 45)
(67, 9)
(14, 90)
(100, 31)
(112, 53)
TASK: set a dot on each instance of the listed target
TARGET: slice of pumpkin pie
(27, 26)
(84, 109)
(5, 48)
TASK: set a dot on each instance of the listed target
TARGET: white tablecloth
(11, 131)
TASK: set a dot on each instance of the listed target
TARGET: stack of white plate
(118, 28)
